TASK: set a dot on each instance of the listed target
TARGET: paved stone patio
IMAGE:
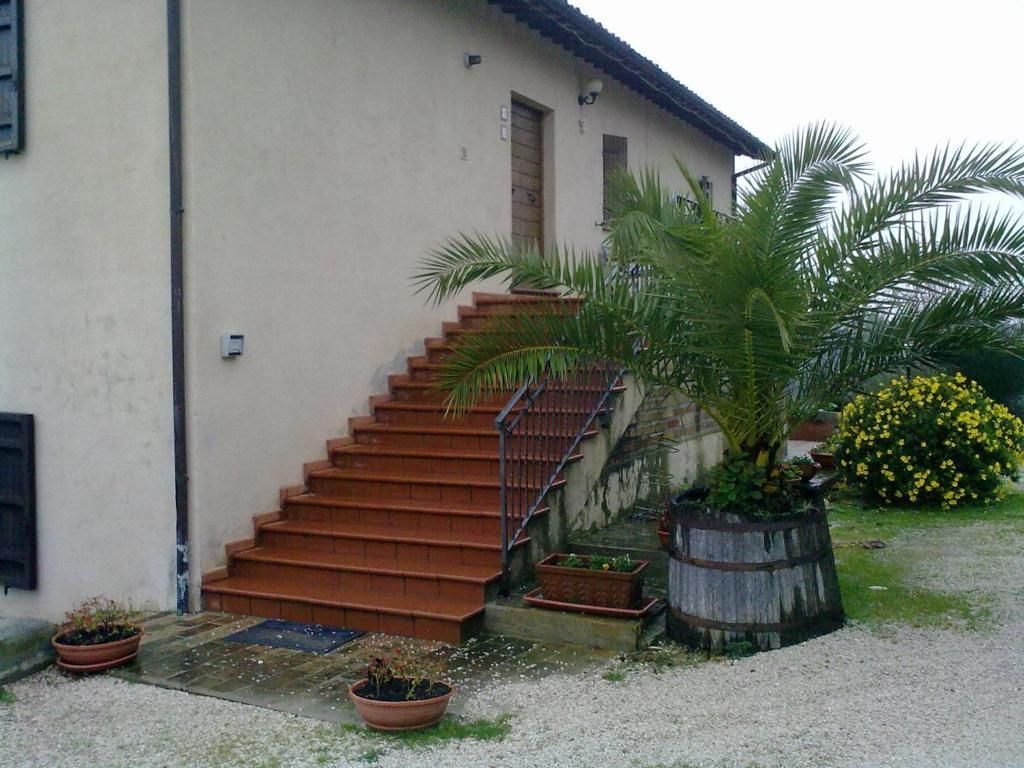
(190, 654)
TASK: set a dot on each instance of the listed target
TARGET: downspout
(177, 303)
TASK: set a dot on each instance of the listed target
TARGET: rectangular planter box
(818, 429)
(608, 589)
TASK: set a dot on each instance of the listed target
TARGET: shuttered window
(12, 93)
(614, 159)
(17, 501)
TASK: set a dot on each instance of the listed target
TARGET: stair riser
(396, 520)
(422, 441)
(367, 621)
(482, 468)
(418, 395)
(476, 323)
(478, 496)
(349, 488)
(472, 420)
(418, 552)
(357, 581)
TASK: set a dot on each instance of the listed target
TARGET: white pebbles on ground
(925, 698)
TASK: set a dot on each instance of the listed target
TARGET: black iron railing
(539, 430)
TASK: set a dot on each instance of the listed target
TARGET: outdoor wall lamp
(471, 59)
(590, 91)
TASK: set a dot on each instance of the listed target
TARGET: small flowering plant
(99, 620)
(929, 440)
(618, 564)
(398, 677)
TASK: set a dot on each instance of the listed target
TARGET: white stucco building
(325, 147)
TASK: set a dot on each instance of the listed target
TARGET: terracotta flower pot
(95, 658)
(663, 536)
(399, 715)
(610, 589)
(824, 459)
(808, 471)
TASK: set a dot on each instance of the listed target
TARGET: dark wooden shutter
(12, 91)
(614, 159)
(17, 501)
(527, 175)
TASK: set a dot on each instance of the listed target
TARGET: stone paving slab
(190, 654)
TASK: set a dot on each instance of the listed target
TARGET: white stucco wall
(323, 159)
(84, 302)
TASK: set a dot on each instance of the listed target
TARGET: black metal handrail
(539, 429)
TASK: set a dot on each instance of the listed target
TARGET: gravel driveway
(860, 697)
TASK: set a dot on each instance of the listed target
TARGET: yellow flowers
(929, 440)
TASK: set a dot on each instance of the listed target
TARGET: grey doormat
(312, 638)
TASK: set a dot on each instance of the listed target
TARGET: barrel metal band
(768, 565)
(834, 616)
(704, 524)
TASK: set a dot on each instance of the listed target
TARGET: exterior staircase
(399, 531)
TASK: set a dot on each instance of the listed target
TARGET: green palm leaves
(820, 280)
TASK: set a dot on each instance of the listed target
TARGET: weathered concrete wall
(85, 302)
(668, 443)
(328, 148)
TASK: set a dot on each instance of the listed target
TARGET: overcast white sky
(905, 75)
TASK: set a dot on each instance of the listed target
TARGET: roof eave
(584, 37)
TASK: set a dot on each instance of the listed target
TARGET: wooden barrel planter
(771, 583)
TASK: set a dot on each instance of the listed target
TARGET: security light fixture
(590, 91)
(471, 59)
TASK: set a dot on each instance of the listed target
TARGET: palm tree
(821, 279)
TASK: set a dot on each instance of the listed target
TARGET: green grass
(895, 597)
(6, 697)
(852, 520)
(371, 756)
(449, 729)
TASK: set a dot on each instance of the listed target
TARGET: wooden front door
(527, 175)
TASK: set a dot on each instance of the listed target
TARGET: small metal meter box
(232, 345)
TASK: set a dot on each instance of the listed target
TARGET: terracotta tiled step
(348, 572)
(479, 416)
(404, 387)
(363, 484)
(432, 517)
(377, 458)
(416, 544)
(412, 616)
(514, 302)
(441, 436)
(473, 320)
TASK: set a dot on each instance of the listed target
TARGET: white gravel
(860, 697)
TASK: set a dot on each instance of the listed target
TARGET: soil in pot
(398, 690)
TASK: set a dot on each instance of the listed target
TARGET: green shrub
(929, 440)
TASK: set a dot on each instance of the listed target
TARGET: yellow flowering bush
(929, 440)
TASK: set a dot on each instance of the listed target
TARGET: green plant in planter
(99, 620)
(619, 563)
(822, 279)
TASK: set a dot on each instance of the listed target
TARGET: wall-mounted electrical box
(232, 345)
